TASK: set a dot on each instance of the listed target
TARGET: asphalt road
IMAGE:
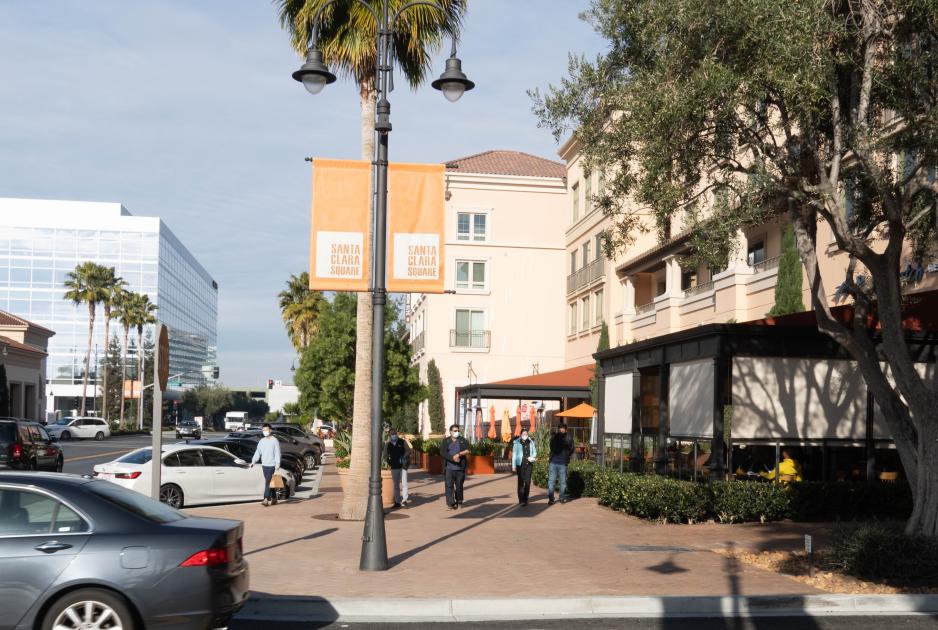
(761, 623)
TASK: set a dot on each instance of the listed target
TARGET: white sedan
(192, 475)
(78, 428)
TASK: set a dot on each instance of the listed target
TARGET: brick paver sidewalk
(495, 548)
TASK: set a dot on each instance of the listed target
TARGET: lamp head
(453, 82)
(314, 75)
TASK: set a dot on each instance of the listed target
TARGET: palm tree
(143, 312)
(300, 309)
(123, 312)
(86, 285)
(347, 38)
(113, 288)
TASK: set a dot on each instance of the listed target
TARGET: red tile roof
(22, 347)
(9, 319)
(507, 163)
(571, 377)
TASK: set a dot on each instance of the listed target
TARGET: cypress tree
(602, 345)
(4, 392)
(788, 285)
(435, 402)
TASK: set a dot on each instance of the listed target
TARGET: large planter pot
(387, 485)
(481, 465)
(435, 464)
(422, 460)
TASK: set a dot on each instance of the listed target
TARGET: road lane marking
(97, 455)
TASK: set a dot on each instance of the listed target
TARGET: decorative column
(628, 294)
(672, 277)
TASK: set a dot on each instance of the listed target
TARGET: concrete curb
(416, 610)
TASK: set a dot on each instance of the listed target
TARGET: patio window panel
(470, 274)
(585, 313)
(598, 301)
(470, 328)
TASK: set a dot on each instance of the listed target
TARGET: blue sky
(186, 110)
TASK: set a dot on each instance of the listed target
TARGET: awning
(569, 383)
(583, 410)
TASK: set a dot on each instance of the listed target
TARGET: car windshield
(187, 424)
(134, 502)
(63, 421)
(141, 456)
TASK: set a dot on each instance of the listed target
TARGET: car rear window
(7, 432)
(137, 457)
(134, 502)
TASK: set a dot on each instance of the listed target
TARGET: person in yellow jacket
(788, 467)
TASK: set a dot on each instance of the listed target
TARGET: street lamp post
(315, 75)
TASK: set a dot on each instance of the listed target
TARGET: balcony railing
(644, 308)
(419, 342)
(768, 263)
(700, 288)
(586, 275)
(469, 339)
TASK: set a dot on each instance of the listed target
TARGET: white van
(236, 420)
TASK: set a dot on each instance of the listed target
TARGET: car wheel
(178, 437)
(31, 465)
(66, 436)
(89, 608)
(171, 495)
(310, 459)
(99, 436)
(59, 464)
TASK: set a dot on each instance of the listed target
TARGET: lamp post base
(374, 546)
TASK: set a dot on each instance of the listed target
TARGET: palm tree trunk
(84, 380)
(107, 344)
(140, 376)
(355, 498)
(124, 370)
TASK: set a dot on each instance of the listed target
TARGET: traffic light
(215, 372)
(270, 383)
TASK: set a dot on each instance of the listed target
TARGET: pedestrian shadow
(319, 534)
(479, 511)
(528, 511)
(425, 498)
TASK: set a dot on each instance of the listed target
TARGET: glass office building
(41, 241)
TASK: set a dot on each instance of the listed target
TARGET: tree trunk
(124, 371)
(924, 519)
(84, 380)
(140, 375)
(107, 348)
(355, 497)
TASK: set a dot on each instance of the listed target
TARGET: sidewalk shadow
(676, 616)
(262, 608)
(319, 534)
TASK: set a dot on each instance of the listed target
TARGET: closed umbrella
(533, 424)
(518, 421)
(478, 423)
(506, 426)
(593, 429)
(492, 422)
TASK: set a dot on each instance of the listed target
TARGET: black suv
(26, 445)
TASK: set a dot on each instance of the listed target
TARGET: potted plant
(434, 459)
(481, 459)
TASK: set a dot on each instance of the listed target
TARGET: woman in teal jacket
(523, 454)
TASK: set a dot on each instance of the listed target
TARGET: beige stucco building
(504, 268)
(23, 354)
(644, 293)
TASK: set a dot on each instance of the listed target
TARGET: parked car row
(26, 445)
(90, 554)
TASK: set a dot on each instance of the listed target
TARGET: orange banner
(132, 389)
(415, 228)
(339, 254)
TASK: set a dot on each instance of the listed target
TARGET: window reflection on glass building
(41, 241)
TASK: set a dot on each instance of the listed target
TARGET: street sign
(164, 357)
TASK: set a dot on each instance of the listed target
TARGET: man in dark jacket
(397, 452)
(561, 448)
(454, 450)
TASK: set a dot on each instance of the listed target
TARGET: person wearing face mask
(268, 453)
(454, 450)
(397, 453)
(523, 455)
(561, 448)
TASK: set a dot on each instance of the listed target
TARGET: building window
(586, 253)
(470, 329)
(576, 201)
(585, 313)
(573, 318)
(756, 253)
(587, 194)
(471, 226)
(601, 181)
(470, 274)
(573, 261)
(688, 279)
(599, 246)
(598, 306)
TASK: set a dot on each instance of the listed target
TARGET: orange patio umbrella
(518, 421)
(491, 433)
(533, 426)
(582, 410)
(506, 427)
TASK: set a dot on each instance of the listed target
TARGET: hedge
(663, 499)
(877, 551)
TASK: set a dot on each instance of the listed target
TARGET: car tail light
(17, 451)
(207, 558)
(130, 475)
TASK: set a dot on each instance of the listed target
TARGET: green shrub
(831, 501)
(342, 444)
(882, 552)
(740, 502)
(485, 447)
(655, 498)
